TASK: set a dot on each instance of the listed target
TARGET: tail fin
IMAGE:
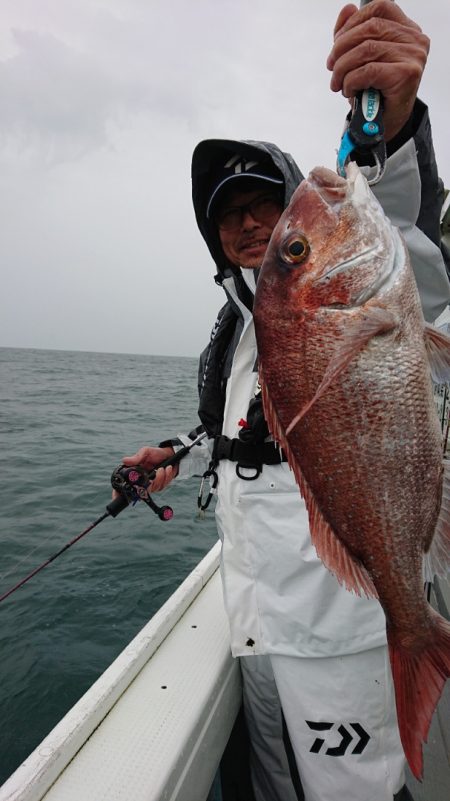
(418, 681)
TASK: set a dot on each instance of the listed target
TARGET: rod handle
(117, 505)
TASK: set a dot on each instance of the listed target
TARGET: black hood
(208, 156)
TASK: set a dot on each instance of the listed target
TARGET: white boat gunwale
(39, 772)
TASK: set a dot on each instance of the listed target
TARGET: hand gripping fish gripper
(364, 134)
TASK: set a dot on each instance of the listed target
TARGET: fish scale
(345, 367)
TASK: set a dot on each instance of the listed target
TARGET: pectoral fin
(370, 323)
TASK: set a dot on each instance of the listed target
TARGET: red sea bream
(345, 363)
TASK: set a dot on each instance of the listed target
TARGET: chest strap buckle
(248, 455)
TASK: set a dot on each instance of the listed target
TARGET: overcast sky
(102, 103)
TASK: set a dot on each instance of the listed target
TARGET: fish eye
(295, 249)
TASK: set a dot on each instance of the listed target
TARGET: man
(315, 663)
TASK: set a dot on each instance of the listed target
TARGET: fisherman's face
(245, 222)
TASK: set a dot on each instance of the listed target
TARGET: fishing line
(40, 546)
(132, 485)
(54, 536)
(52, 558)
(26, 556)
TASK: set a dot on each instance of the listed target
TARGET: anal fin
(436, 561)
(333, 553)
(349, 571)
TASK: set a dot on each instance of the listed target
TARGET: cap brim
(265, 178)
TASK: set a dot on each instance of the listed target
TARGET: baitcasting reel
(131, 483)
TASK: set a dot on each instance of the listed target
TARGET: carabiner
(213, 479)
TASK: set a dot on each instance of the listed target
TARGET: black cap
(237, 167)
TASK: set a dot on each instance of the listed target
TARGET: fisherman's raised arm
(380, 46)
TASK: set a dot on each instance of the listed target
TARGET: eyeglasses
(262, 209)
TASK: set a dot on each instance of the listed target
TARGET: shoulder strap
(214, 369)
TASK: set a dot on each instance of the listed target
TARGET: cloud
(61, 92)
(55, 99)
(102, 104)
(69, 78)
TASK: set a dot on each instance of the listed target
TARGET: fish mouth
(332, 188)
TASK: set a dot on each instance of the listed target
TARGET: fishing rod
(132, 485)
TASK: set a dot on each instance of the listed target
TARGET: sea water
(66, 421)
